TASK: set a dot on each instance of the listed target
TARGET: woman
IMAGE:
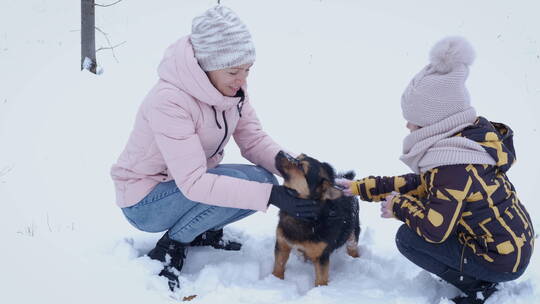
(169, 177)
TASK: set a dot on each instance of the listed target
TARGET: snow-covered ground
(342, 62)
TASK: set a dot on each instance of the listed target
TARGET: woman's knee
(247, 172)
(271, 178)
(274, 180)
(229, 172)
(264, 176)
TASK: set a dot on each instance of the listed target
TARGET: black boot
(476, 291)
(172, 254)
(478, 294)
(214, 238)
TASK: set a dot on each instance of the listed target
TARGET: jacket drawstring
(215, 117)
(239, 106)
(240, 103)
(224, 136)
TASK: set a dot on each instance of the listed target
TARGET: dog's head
(310, 178)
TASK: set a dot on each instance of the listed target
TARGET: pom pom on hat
(438, 91)
(451, 52)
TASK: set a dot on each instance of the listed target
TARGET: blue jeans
(166, 208)
(439, 258)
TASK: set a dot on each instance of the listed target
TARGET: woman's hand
(285, 199)
(387, 205)
(345, 185)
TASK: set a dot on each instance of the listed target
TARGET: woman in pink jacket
(169, 177)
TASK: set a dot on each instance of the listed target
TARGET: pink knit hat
(438, 91)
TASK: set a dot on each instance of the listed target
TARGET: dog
(338, 223)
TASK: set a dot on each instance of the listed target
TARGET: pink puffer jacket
(177, 135)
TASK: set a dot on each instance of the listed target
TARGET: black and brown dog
(337, 224)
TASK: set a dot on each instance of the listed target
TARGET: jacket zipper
(224, 136)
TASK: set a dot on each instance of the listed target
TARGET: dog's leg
(281, 255)
(322, 267)
(352, 245)
(320, 256)
(352, 241)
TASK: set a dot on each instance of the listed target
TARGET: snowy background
(338, 65)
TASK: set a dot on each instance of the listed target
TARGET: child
(463, 219)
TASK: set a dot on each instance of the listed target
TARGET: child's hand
(386, 206)
(345, 185)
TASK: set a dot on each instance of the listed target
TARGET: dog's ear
(330, 192)
(348, 175)
(329, 170)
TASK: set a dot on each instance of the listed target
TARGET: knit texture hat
(438, 91)
(221, 40)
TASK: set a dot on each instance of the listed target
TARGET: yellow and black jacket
(476, 202)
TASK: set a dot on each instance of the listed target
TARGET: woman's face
(412, 127)
(229, 81)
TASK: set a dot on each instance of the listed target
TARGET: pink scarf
(435, 145)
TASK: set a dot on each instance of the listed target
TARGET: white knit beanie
(438, 91)
(221, 40)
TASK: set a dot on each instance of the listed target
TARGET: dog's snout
(285, 157)
(291, 159)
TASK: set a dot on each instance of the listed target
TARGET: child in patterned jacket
(463, 219)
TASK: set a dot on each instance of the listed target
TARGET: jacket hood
(496, 138)
(180, 68)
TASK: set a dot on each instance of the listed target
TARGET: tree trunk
(88, 36)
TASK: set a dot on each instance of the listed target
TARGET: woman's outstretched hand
(345, 185)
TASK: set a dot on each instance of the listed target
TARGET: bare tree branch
(106, 5)
(110, 47)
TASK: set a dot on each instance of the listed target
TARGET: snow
(327, 82)
(87, 63)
